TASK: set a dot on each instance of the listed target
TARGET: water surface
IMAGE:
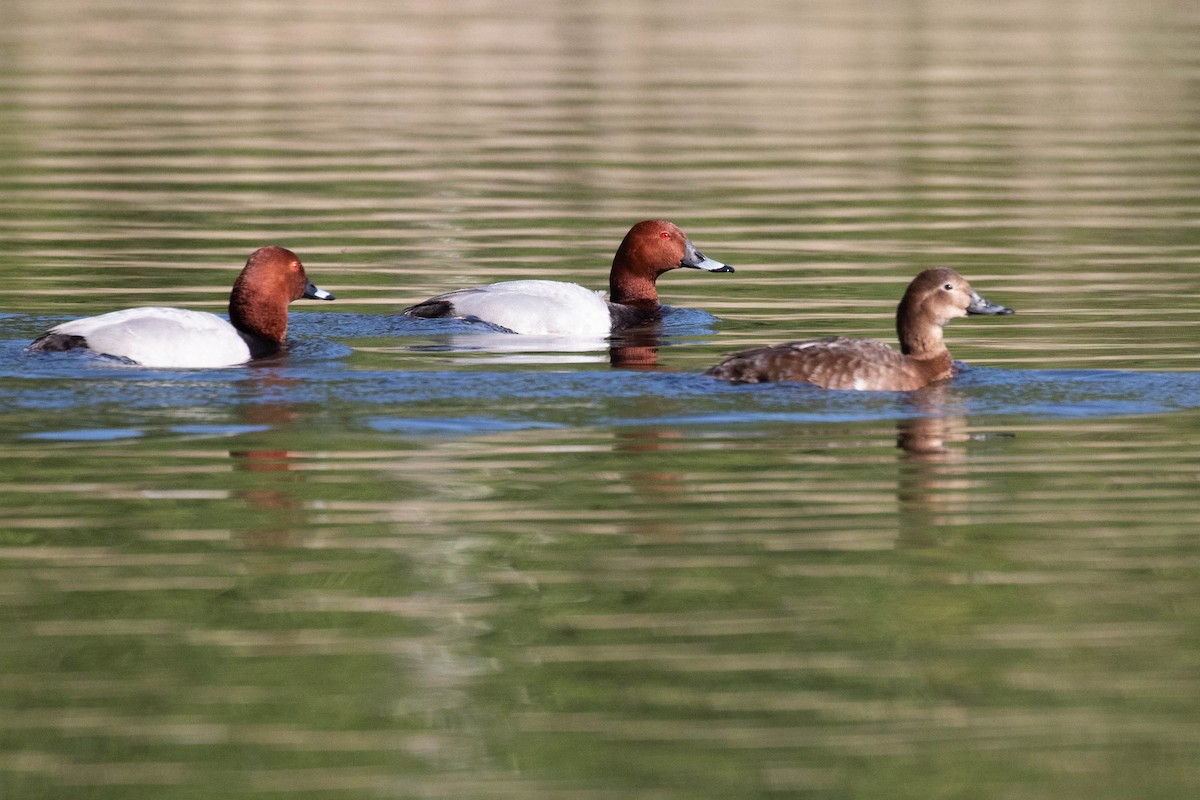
(413, 559)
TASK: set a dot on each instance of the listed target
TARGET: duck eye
(665, 235)
(949, 287)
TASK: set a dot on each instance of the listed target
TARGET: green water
(415, 560)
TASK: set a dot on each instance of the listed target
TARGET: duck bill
(313, 293)
(981, 305)
(694, 259)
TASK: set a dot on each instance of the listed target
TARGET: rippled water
(414, 559)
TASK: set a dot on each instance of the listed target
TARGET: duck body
(137, 335)
(554, 308)
(834, 363)
(932, 299)
(155, 336)
(532, 307)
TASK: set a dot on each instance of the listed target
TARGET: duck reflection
(934, 483)
(509, 348)
(653, 489)
(636, 348)
(281, 512)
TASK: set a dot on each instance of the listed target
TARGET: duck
(155, 336)
(932, 299)
(556, 308)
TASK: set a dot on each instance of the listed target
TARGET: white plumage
(538, 308)
(154, 336)
(551, 308)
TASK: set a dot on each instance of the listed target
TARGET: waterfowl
(934, 297)
(554, 308)
(174, 337)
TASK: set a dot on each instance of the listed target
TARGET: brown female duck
(934, 297)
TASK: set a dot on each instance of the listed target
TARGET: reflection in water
(933, 488)
(512, 348)
(282, 515)
(465, 586)
(636, 349)
(652, 490)
(934, 477)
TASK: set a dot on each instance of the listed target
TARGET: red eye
(665, 235)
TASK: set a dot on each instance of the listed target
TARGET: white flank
(162, 337)
(539, 308)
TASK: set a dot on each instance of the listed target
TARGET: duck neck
(925, 345)
(921, 341)
(628, 288)
(257, 315)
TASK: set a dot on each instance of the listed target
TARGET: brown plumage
(934, 297)
(155, 336)
(555, 308)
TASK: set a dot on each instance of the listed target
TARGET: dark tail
(57, 342)
(430, 309)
